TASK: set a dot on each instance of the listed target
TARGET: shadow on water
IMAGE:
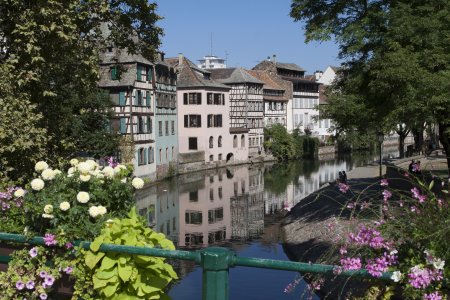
(241, 208)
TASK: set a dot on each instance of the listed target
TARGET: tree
(52, 50)
(279, 142)
(396, 58)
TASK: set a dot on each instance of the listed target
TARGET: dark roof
(237, 75)
(121, 56)
(238, 130)
(190, 76)
(289, 66)
(334, 68)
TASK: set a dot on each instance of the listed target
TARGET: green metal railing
(215, 262)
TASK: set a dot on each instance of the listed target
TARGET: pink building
(204, 133)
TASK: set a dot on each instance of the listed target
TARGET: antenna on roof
(211, 45)
(226, 55)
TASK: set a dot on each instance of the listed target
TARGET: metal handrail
(215, 262)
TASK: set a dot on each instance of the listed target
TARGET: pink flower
(349, 263)
(432, 296)
(343, 187)
(68, 245)
(384, 182)
(343, 250)
(386, 195)
(50, 239)
(416, 192)
(33, 252)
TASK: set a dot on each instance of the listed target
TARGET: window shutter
(123, 127)
(149, 122)
(135, 98)
(139, 73)
(113, 73)
(139, 156)
(199, 119)
(122, 100)
(149, 155)
(145, 156)
(199, 98)
(148, 98)
(149, 73)
(186, 121)
(208, 122)
(185, 98)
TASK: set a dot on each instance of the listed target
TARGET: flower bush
(74, 204)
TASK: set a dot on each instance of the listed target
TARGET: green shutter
(123, 126)
(139, 157)
(114, 73)
(145, 156)
(149, 124)
(185, 98)
(149, 73)
(148, 98)
(122, 100)
(135, 98)
(139, 73)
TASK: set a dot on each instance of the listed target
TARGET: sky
(245, 32)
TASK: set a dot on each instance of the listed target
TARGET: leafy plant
(127, 276)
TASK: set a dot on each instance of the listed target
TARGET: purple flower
(43, 274)
(43, 296)
(33, 252)
(343, 187)
(432, 296)
(350, 263)
(68, 245)
(20, 285)
(30, 284)
(416, 168)
(384, 182)
(386, 195)
(68, 270)
(50, 239)
(49, 280)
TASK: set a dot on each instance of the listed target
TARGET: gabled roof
(122, 56)
(238, 75)
(190, 76)
(289, 66)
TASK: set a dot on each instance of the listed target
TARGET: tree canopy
(50, 50)
(396, 60)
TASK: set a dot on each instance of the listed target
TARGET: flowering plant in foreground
(73, 204)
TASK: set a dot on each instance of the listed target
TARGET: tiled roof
(189, 75)
(122, 56)
(238, 75)
(289, 66)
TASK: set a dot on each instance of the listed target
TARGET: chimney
(318, 74)
(274, 58)
(180, 59)
(160, 56)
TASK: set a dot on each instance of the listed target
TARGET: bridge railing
(214, 261)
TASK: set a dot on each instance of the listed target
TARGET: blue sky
(245, 32)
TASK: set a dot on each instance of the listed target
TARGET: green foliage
(279, 142)
(126, 276)
(22, 140)
(52, 57)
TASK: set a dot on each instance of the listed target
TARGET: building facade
(166, 118)
(211, 62)
(129, 81)
(246, 104)
(205, 136)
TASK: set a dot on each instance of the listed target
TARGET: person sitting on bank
(344, 177)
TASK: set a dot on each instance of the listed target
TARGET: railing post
(216, 262)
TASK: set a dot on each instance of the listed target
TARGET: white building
(326, 79)
(211, 62)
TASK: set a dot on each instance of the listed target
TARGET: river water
(239, 207)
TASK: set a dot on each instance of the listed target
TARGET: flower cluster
(12, 196)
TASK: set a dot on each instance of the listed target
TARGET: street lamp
(380, 138)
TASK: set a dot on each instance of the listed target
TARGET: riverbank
(313, 226)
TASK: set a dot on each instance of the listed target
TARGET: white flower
(92, 164)
(138, 183)
(48, 174)
(124, 180)
(108, 171)
(85, 178)
(94, 211)
(83, 197)
(47, 216)
(393, 252)
(48, 209)
(71, 170)
(74, 162)
(117, 169)
(19, 193)
(100, 176)
(84, 167)
(396, 276)
(56, 172)
(64, 206)
(40, 166)
(438, 263)
(37, 184)
(101, 210)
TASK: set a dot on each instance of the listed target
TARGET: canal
(239, 207)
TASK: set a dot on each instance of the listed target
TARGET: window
(192, 121)
(220, 192)
(114, 73)
(140, 125)
(211, 179)
(193, 217)
(235, 142)
(211, 142)
(139, 70)
(151, 155)
(122, 99)
(173, 152)
(217, 120)
(219, 141)
(192, 98)
(160, 130)
(209, 121)
(123, 125)
(211, 157)
(211, 194)
(160, 155)
(193, 143)
(167, 127)
(220, 156)
(167, 153)
(218, 99)
(139, 98)
(242, 141)
(243, 186)
(147, 99)
(235, 188)
(215, 215)
(149, 125)
(220, 177)
(142, 156)
(193, 196)
(209, 98)
(172, 125)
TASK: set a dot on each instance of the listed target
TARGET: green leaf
(110, 289)
(108, 262)
(95, 245)
(431, 185)
(92, 259)
(125, 272)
